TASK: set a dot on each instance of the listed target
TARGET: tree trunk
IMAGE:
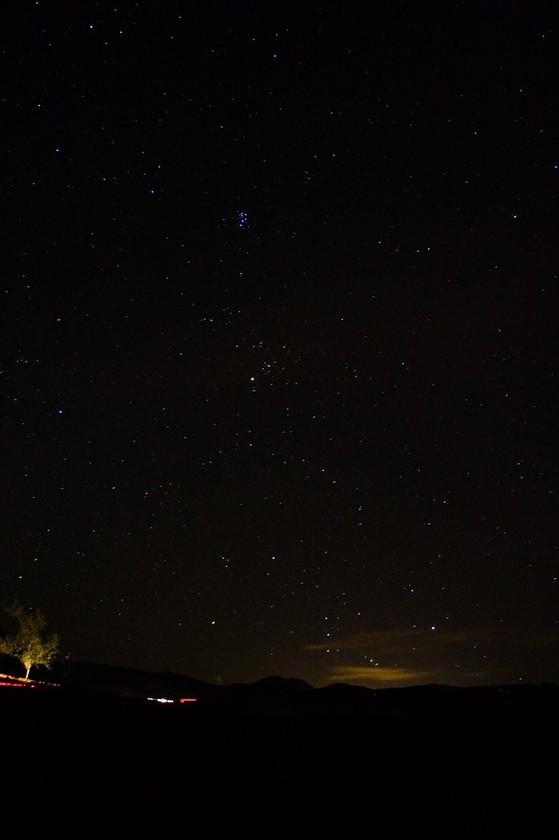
(27, 673)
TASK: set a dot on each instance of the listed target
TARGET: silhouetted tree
(29, 644)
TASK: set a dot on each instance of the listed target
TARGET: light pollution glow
(378, 675)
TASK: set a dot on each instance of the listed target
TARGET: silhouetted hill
(270, 686)
(132, 683)
(281, 684)
(128, 682)
(284, 696)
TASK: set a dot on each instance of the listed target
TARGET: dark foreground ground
(480, 761)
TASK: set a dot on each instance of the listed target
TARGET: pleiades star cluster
(279, 299)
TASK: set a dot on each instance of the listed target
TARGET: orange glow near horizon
(367, 674)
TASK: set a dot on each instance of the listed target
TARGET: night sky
(279, 319)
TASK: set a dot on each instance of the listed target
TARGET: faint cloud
(487, 653)
(393, 641)
(389, 640)
(378, 676)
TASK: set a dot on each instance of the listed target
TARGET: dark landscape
(96, 741)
